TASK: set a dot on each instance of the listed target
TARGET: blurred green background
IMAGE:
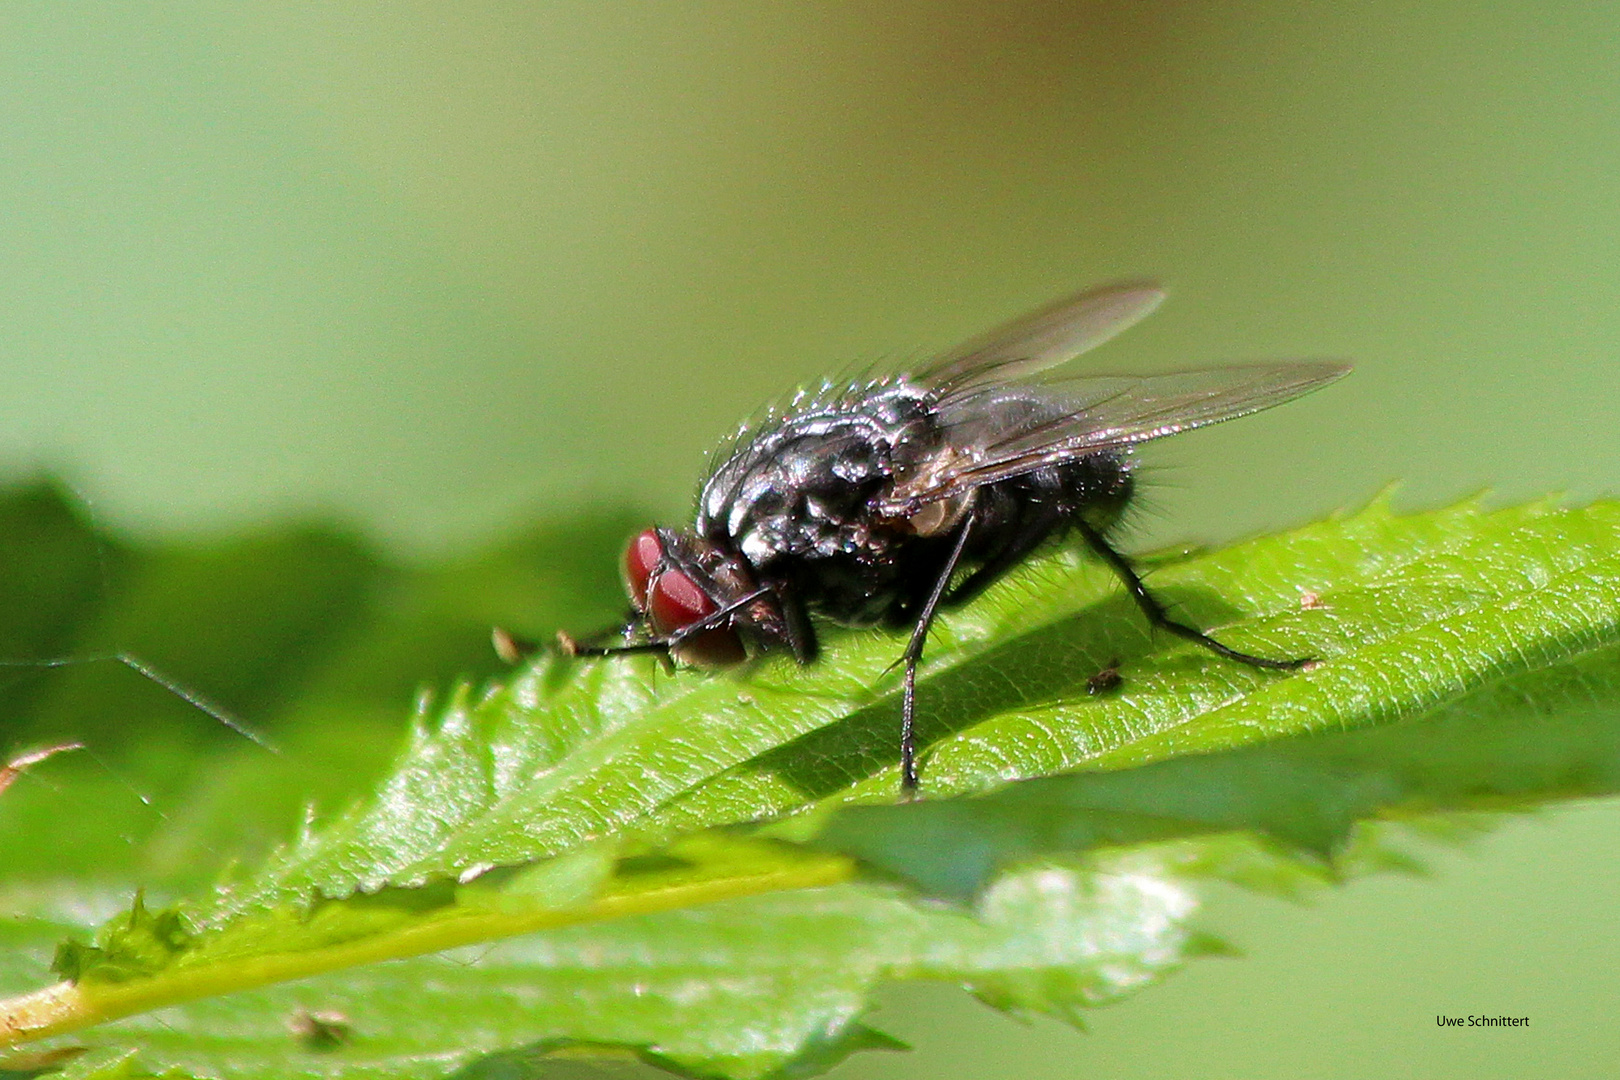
(436, 268)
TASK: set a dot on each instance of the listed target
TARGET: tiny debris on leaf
(320, 1031)
(17, 765)
(1105, 681)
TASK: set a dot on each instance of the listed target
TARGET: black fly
(880, 503)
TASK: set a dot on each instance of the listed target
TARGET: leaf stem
(68, 1006)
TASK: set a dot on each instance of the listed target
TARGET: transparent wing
(1044, 338)
(997, 432)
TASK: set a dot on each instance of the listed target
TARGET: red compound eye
(641, 555)
(674, 600)
(671, 600)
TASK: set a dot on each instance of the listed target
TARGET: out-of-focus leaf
(302, 633)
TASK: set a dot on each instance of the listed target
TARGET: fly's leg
(1156, 614)
(513, 649)
(913, 655)
(570, 647)
(1030, 537)
(796, 625)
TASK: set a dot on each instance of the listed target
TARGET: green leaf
(140, 943)
(721, 870)
(1407, 614)
(747, 987)
(1549, 733)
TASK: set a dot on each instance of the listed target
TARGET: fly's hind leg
(913, 655)
(1159, 617)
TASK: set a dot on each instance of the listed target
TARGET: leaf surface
(722, 874)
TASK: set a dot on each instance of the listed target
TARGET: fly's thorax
(800, 485)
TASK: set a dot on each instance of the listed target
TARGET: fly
(881, 503)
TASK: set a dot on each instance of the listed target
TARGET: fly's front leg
(913, 655)
(569, 647)
(663, 645)
(1159, 617)
(513, 649)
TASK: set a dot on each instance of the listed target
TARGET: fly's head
(682, 587)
